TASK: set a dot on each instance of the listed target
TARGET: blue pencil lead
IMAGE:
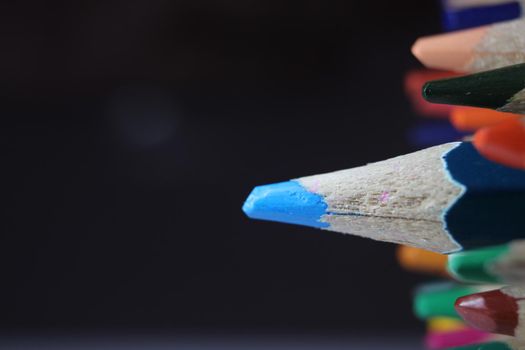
(287, 202)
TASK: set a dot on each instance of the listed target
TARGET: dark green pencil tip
(427, 91)
(491, 89)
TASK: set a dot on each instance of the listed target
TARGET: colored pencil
(468, 119)
(472, 3)
(498, 311)
(444, 198)
(432, 132)
(437, 299)
(414, 81)
(503, 264)
(420, 260)
(500, 89)
(510, 344)
(474, 50)
(462, 17)
(444, 324)
(503, 143)
(462, 337)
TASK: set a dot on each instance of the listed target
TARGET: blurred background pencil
(460, 337)
(472, 3)
(497, 311)
(456, 15)
(437, 299)
(503, 264)
(507, 344)
(474, 50)
(444, 332)
(445, 324)
(469, 119)
(432, 132)
(422, 261)
(503, 143)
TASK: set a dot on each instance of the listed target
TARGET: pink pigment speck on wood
(384, 197)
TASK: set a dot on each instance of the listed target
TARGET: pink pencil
(467, 336)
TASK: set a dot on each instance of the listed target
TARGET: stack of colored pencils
(482, 306)
(455, 208)
(480, 86)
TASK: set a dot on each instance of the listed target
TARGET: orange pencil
(503, 143)
(472, 118)
(414, 81)
(420, 260)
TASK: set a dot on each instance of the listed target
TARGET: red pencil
(414, 81)
(498, 311)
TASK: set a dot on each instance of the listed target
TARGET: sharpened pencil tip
(450, 51)
(439, 91)
(287, 202)
(492, 311)
(418, 49)
(427, 91)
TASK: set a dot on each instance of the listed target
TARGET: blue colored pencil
(428, 133)
(445, 198)
(456, 17)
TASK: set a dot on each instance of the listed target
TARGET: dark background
(134, 130)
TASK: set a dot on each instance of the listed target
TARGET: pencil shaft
(454, 18)
(445, 199)
(474, 50)
(496, 264)
(501, 89)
